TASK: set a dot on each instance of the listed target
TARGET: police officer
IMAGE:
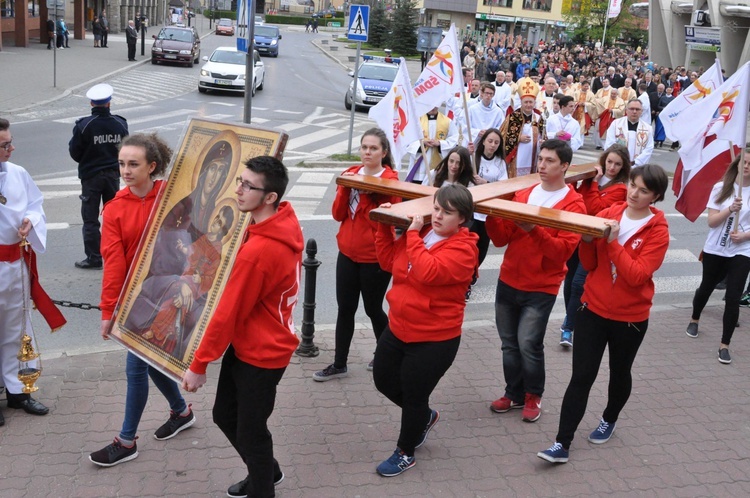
(94, 147)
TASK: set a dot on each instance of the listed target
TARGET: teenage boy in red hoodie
(530, 276)
(253, 323)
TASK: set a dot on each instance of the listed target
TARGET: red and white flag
(706, 131)
(441, 78)
(397, 116)
(614, 8)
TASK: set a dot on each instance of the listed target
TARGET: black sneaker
(239, 490)
(724, 356)
(175, 425)
(692, 330)
(745, 299)
(113, 454)
(434, 417)
(330, 372)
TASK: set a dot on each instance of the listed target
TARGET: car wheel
(347, 103)
(202, 90)
(153, 61)
(260, 87)
(190, 64)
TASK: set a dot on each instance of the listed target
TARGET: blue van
(267, 40)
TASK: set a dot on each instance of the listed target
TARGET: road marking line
(313, 137)
(313, 116)
(290, 126)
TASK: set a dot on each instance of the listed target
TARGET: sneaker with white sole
(602, 433)
(532, 408)
(330, 372)
(176, 424)
(566, 338)
(114, 453)
(724, 356)
(398, 463)
(692, 330)
(434, 417)
(555, 454)
(504, 404)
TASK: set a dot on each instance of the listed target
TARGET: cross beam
(493, 199)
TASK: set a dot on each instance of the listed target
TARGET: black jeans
(105, 34)
(131, 51)
(95, 192)
(353, 279)
(245, 397)
(483, 244)
(573, 290)
(593, 334)
(407, 373)
(715, 268)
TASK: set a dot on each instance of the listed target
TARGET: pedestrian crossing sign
(359, 20)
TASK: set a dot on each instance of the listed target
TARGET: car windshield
(228, 57)
(266, 31)
(176, 35)
(225, 22)
(382, 73)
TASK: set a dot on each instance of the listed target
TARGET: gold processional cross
(492, 199)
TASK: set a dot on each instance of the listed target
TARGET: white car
(225, 71)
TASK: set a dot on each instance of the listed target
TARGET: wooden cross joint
(492, 199)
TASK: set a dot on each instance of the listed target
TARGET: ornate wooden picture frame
(187, 251)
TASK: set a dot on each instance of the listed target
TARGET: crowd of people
(523, 114)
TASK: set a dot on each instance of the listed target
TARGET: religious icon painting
(187, 251)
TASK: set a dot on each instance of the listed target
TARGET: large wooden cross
(492, 199)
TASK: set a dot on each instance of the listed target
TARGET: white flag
(441, 77)
(697, 91)
(614, 8)
(397, 116)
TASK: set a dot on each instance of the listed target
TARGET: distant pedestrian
(105, 28)
(96, 27)
(142, 159)
(131, 36)
(315, 26)
(66, 32)
(50, 34)
(621, 269)
(94, 147)
(308, 26)
(60, 34)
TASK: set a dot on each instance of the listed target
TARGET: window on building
(6, 8)
(34, 8)
(498, 3)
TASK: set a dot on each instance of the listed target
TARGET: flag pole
(606, 20)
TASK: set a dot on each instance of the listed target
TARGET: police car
(374, 81)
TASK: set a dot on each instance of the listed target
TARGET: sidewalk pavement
(684, 432)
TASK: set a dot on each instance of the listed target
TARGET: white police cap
(100, 94)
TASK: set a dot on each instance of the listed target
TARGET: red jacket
(356, 237)
(427, 299)
(254, 313)
(628, 296)
(124, 219)
(535, 261)
(597, 200)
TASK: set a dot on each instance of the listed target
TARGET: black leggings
(407, 373)
(353, 279)
(593, 334)
(715, 268)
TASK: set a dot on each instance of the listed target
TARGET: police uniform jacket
(95, 142)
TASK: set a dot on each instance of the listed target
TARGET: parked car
(267, 40)
(173, 44)
(225, 27)
(374, 80)
(259, 21)
(225, 71)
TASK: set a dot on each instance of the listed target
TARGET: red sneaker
(532, 409)
(504, 404)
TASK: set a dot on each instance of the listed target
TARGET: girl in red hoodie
(606, 188)
(432, 266)
(142, 158)
(617, 299)
(357, 268)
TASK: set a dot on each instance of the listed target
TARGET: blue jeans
(521, 318)
(137, 372)
(573, 303)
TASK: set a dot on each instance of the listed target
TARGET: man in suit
(131, 36)
(598, 81)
